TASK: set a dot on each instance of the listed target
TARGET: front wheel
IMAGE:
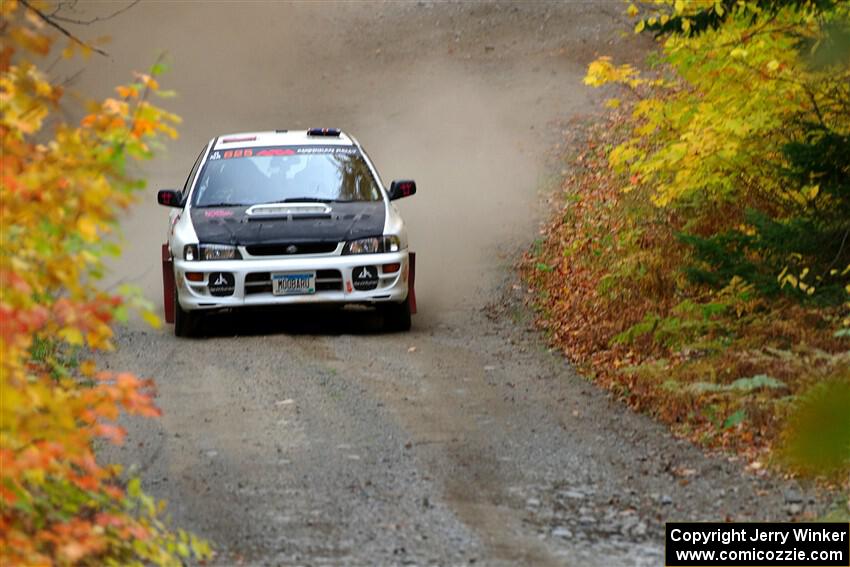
(397, 316)
(185, 322)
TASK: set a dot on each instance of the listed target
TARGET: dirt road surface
(311, 438)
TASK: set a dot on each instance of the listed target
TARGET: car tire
(185, 322)
(397, 316)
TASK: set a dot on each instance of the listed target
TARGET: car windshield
(251, 176)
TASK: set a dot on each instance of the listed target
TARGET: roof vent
(330, 132)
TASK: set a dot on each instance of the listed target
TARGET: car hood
(232, 225)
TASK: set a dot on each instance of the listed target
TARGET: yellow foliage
(602, 71)
(737, 94)
(61, 190)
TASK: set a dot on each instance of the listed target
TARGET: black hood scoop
(289, 223)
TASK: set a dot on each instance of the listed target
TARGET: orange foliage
(60, 191)
(610, 263)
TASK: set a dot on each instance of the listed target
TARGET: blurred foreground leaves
(62, 187)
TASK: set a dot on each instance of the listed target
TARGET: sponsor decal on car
(275, 152)
(272, 151)
(221, 283)
(326, 150)
(365, 278)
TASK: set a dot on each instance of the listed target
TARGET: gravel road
(311, 438)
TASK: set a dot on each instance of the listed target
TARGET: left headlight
(218, 252)
(374, 245)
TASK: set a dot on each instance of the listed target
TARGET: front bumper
(252, 281)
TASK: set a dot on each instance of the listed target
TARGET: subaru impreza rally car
(283, 218)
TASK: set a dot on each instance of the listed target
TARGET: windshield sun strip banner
(271, 151)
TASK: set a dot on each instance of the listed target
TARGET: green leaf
(121, 315)
(158, 69)
(183, 550)
(734, 419)
(756, 382)
(744, 385)
(134, 488)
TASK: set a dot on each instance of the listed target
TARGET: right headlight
(373, 245)
(211, 252)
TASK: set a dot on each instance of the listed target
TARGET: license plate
(294, 284)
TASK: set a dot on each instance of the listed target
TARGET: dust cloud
(468, 128)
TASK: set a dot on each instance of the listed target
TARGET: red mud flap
(167, 284)
(411, 288)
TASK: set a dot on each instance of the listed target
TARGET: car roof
(279, 138)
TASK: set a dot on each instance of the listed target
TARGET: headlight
(190, 252)
(211, 252)
(219, 252)
(374, 245)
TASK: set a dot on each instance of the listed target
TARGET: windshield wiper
(204, 206)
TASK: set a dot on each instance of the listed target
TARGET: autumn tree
(61, 188)
(700, 267)
(748, 138)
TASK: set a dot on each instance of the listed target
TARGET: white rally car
(282, 218)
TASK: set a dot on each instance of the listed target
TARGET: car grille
(291, 248)
(261, 282)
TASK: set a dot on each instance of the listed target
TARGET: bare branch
(47, 19)
(68, 20)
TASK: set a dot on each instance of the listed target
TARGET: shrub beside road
(700, 266)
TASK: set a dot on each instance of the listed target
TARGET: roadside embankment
(698, 266)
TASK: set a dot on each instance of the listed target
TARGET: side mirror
(400, 189)
(169, 198)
